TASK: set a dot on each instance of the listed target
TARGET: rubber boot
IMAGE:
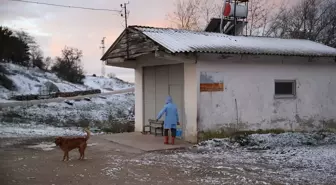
(173, 141)
(166, 140)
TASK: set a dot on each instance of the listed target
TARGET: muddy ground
(108, 163)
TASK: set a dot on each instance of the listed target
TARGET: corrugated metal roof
(176, 41)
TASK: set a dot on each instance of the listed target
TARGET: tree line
(307, 19)
(20, 48)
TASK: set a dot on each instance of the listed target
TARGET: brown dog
(68, 144)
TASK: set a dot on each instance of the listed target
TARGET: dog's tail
(88, 134)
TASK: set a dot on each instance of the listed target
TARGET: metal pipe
(235, 19)
(237, 116)
(222, 17)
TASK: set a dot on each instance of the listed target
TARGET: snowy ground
(31, 81)
(106, 84)
(98, 112)
(291, 158)
(11, 134)
(80, 113)
(33, 131)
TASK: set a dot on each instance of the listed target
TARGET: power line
(68, 6)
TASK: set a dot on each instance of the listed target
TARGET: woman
(171, 119)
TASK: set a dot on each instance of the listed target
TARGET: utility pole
(103, 52)
(125, 15)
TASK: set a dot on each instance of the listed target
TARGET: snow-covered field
(97, 112)
(106, 84)
(33, 130)
(33, 80)
(290, 158)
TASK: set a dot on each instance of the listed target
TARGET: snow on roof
(176, 40)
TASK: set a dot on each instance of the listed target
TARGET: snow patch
(309, 159)
(106, 84)
(270, 141)
(60, 113)
(43, 146)
(32, 81)
(92, 144)
(31, 130)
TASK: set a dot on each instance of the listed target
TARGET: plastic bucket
(178, 132)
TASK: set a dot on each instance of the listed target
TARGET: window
(285, 89)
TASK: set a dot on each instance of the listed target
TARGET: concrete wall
(138, 98)
(190, 102)
(249, 81)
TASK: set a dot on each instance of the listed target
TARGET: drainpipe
(234, 18)
(222, 17)
(197, 101)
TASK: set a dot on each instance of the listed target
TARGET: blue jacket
(171, 114)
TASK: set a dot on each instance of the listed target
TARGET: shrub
(3, 70)
(68, 67)
(6, 82)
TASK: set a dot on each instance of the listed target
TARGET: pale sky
(55, 27)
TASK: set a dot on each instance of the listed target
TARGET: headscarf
(169, 99)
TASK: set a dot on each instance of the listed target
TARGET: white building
(230, 82)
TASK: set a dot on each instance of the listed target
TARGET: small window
(285, 88)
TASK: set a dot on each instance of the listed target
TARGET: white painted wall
(138, 98)
(190, 102)
(250, 80)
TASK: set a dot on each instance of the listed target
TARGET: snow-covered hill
(33, 81)
(106, 84)
(99, 112)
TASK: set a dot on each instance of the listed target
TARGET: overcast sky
(55, 27)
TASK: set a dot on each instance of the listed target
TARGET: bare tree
(36, 54)
(47, 62)
(25, 37)
(193, 14)
(36, 58)
(111, 75)
(209, 10)
(259, 16)
(309, 19)
(186, 15)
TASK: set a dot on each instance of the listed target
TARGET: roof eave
(105, 56)
(251, 53)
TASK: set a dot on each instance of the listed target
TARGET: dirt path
(20, 165)
(108, 163)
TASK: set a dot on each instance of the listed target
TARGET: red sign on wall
(211, 87)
